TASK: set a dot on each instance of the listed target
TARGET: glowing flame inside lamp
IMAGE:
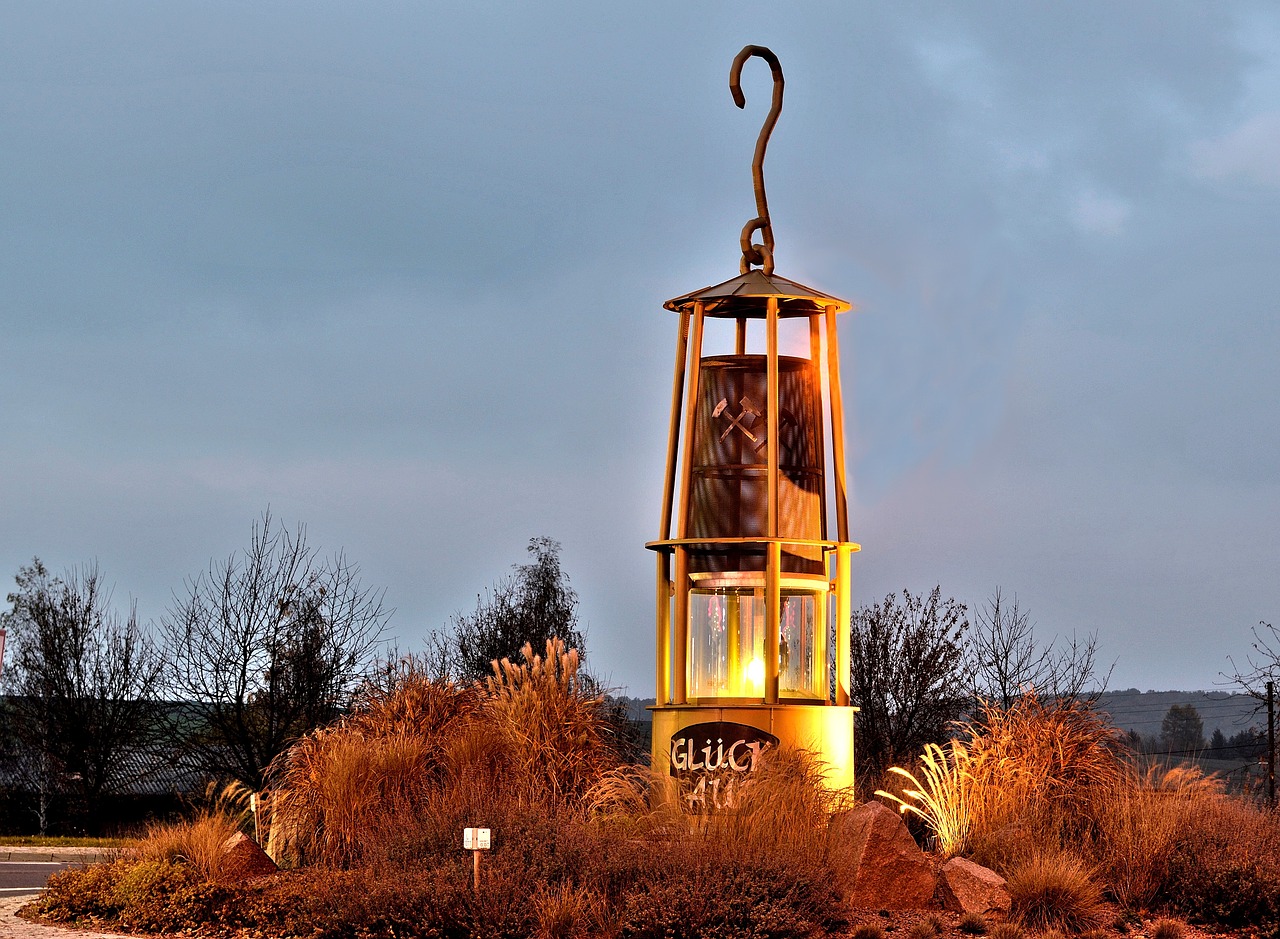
(755, 671)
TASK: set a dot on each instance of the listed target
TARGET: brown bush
(730, 898)
(1224, 868)
(1143, 817)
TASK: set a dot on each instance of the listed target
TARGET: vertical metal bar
(680, 578)
(821, 647)
(844, 612)
(773, 620)
(680, 635)
(663, 591)
(663, 664)
(773, 565)
(673, 433)
(815, 362)
(837, 426)
(740, 337)
(771, 419)
(691, 420)
(733, 617)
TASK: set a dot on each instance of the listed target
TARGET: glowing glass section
(727, 628)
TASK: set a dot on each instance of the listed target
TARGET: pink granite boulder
(967, 887)
(879, 863)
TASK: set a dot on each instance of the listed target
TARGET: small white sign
(475, 839)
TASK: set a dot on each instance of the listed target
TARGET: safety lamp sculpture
(750, 585)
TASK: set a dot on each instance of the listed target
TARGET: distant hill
(637, 708)
(1142, 711)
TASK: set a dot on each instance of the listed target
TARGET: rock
(971, 888)
(879, 863)
(242, 859)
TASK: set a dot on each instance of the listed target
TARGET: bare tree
(534, 605)
(83, 684)
(1263, 662)
(1005, 659)
(907, 676)
(267, 645)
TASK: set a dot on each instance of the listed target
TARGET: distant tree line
(1182, 737)
(253, 653)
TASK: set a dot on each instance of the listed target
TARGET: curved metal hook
(758, 254)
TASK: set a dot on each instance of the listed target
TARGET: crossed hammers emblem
(744, 420)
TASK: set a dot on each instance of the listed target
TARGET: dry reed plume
(1036, 772)
(427, 754)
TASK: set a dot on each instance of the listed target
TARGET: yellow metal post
(773, 613)
(663, 663)
(844, 611)
(815, 360)
(837, 426)
(680, 578)
(673, 433)
(773, 564)
(771, 417)
(680, 635)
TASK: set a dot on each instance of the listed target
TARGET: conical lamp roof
(747, 296)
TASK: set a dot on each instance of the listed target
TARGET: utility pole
(1271, 743)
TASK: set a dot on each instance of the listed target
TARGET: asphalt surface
(17, 877)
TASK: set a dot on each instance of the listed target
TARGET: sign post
(475, 840)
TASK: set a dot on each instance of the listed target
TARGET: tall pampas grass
(1042, 769)
(552, 725)
(944, 796)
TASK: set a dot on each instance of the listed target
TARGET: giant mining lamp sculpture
(751, 583)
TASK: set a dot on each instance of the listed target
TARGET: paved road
(26, 876)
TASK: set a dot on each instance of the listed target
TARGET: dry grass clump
(867, 931)
(1034, 773)
(1007, 931)
(1043, 764)
(199, 843)
(781, 809)
(946, 798)
(565, 911)
(550, 724)
(973, 924)
(1056, 891)
(337, 786)
(1167, 929)
(923, 929)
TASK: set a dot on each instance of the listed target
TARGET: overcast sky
(396, 271)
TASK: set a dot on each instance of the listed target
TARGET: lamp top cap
(747, 297)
